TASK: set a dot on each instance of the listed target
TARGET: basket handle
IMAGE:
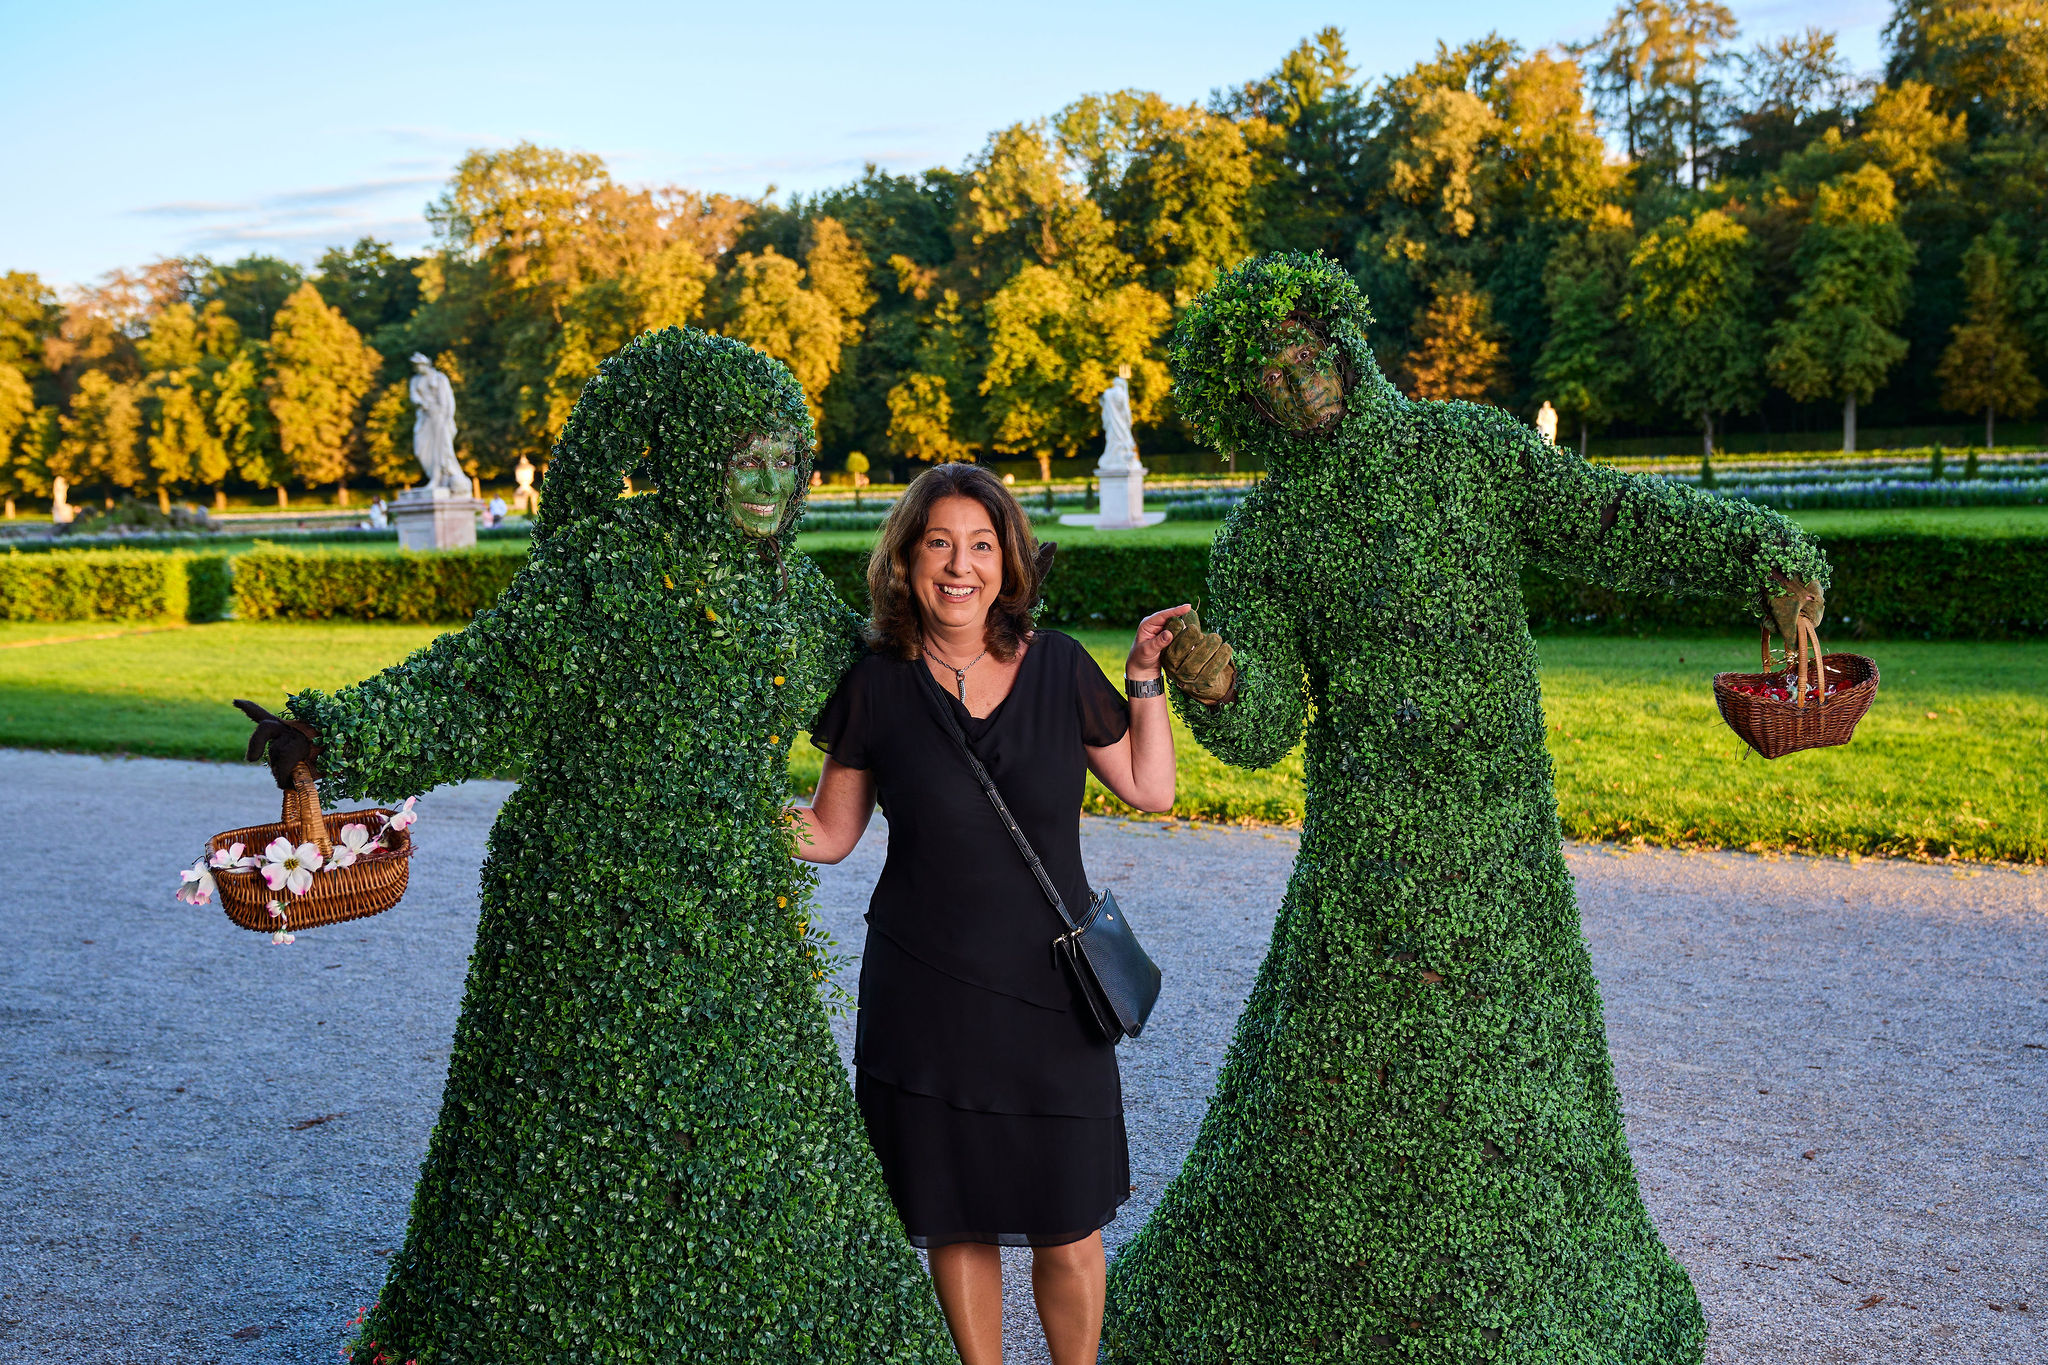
(1818, 689)
(306, 823)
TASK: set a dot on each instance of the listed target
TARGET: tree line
(1657, 230)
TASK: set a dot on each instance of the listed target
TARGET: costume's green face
(1299, 385)
(760, 479)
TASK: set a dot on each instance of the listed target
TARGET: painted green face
(760, 479)
(1300, 385)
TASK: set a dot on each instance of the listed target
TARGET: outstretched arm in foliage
(1634, 533)
(1263, 719)
(468, 705)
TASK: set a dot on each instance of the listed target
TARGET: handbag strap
(995, 798)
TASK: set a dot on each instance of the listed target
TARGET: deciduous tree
(1692, 302)
(1458, 351)
(320, 371)
(1854, 269)
(1586, 367)
(100, 434)
(1986, 368)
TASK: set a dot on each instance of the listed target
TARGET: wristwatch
(1149, 687)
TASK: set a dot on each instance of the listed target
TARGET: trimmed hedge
(1897, 584)
(113, 585)
(1932, 587)
(272, 584)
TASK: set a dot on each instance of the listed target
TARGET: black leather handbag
(1115, 978)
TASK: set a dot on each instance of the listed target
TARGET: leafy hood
(670, 408)
(1220, 347)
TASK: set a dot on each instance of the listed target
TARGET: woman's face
(760, 479)
(1302, 390)
(957, 572)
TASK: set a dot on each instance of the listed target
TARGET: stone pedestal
(435, 519)
(1122, 501)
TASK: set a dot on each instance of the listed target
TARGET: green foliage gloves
(1198, 662)
(291, 742)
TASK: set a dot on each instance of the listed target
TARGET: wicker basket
(370, 885)
(1814, 720)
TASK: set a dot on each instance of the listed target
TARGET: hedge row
(1932, 587)
(1926, 586)
(116, 585)
(274, 584)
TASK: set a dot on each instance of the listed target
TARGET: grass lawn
(1950, 761)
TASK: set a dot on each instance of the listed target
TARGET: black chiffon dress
(995, 1110)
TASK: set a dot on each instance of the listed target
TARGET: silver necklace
(959, 674)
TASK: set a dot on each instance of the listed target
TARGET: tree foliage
(1692, 300)
(1986, 366)
(968, 312)
(320, 371)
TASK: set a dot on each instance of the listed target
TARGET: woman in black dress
(994, 1107)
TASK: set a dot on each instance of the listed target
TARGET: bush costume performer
(647, 1150)
(1415, 1152)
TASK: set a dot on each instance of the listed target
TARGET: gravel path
(1836, 1076)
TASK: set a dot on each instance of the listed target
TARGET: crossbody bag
(1111, 972)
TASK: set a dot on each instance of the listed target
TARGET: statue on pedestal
(61, 510)
(433, 427)
(441, 514)
(1546, 422)
(1119, 447)
(1119, 473)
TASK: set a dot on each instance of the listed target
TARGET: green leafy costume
(647, 1149)
(1415, 1151)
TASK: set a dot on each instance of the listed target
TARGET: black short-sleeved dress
(996, 1112)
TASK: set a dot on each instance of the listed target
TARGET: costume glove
(291, 742)
(1198, 662)
(1797, 598)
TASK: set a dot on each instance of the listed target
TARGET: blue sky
(139, 130)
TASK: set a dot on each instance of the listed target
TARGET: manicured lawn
(1936, 521)
(1951, 759)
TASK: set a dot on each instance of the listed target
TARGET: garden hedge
(273, 583)
(113, 585)
(1885, 584)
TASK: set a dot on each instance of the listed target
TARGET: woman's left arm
(1139, 767)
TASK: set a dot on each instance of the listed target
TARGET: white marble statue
(433, 427)
(1119, 474)
(1546, 422)
(61, 510)
(1119, 447)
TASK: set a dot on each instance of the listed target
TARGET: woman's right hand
(290, 742)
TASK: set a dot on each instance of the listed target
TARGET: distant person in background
(496, 510)
(379, 516)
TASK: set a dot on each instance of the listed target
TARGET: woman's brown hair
(894, 623)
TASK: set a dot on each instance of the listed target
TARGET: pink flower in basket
(404, 816)
(290, 869)
(230, 858)
(355, 841)
(196, 885)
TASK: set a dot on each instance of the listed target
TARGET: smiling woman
(995, 1107)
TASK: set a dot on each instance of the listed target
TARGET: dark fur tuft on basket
(369, 886)
(1816, 720)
